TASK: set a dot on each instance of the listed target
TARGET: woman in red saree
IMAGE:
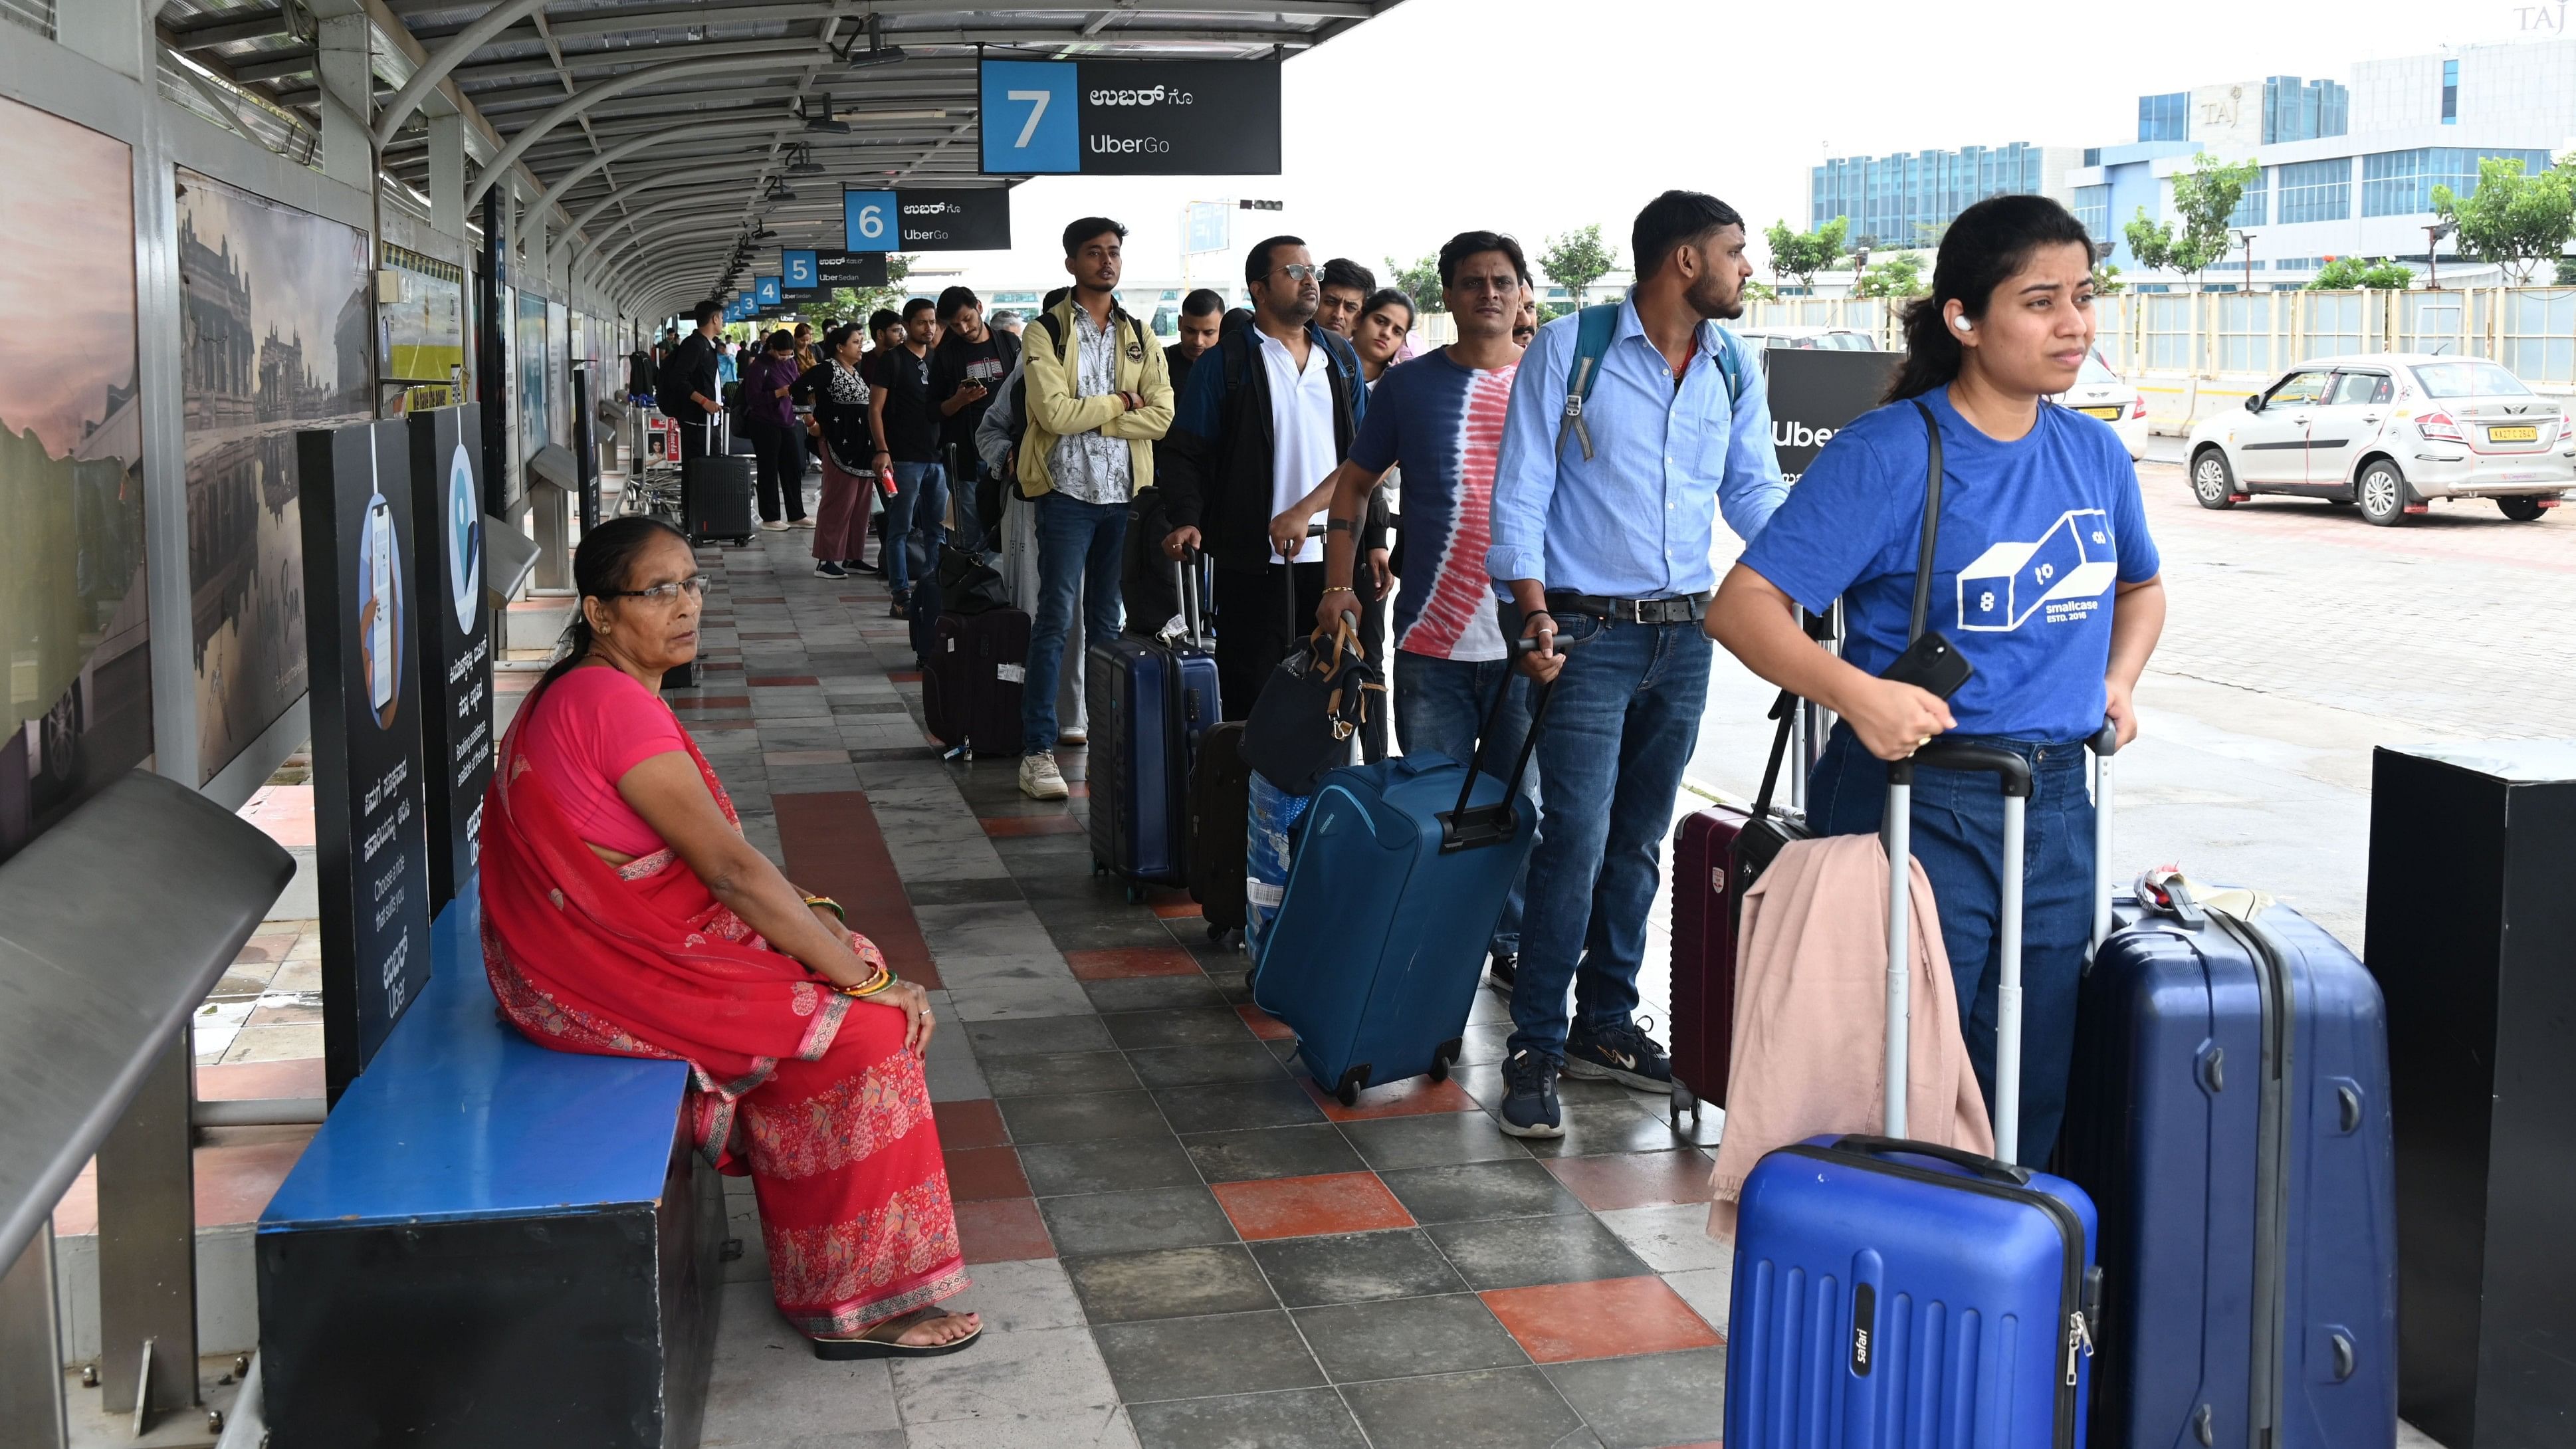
(624, 914)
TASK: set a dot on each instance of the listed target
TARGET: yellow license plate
(2108, 415)
(2513, 435)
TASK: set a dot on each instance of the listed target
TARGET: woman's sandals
(882, 1341)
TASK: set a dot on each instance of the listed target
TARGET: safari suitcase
(716, 498)
(1149, 704)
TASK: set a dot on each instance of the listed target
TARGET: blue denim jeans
(1439, 706)
(914, 523)
(1078, 550)
(1958, 839)
(1620, 726)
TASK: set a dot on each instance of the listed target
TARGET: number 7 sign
(1029, 117)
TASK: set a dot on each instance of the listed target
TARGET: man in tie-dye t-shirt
(1440, 417)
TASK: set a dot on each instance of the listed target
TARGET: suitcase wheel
(1683, 1098)
(1348, 1093)
(1441, 1057)
(1136, 894)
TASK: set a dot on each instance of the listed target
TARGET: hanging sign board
(764, 291)
(1815, 393)
(371, 817)
(851, 269)
(452, 639)
(1130, 117)
(960, 220)
(796, 273)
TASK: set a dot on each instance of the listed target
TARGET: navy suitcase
(1901, 1295)
(1399, 874)
(1149, 702)
(2230, 1113)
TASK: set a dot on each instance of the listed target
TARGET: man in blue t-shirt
(1441, 417)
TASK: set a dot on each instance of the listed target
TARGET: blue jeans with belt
(1440, 704)
(1958, 834)
(1080, 550)
(1620, 727)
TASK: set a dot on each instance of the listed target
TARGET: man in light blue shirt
(1602, 527)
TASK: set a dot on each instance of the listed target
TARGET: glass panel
(2315, 190)
(2468, 377)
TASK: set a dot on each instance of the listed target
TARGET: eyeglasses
(695, 586)
(1299, 272)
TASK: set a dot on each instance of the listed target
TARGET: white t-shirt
(1301, 426)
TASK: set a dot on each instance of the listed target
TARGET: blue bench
(492, 1244)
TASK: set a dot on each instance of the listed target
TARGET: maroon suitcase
(970, 694)
(1717, 854)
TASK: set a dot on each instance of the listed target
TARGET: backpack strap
(1730, 364)
(1593, 326)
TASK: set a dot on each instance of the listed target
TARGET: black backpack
(671, 383)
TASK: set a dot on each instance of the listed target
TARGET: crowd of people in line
(1521, 487)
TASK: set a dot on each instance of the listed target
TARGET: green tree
(2566, 272)
(2106, 279)
(2513, 220)
(2204, 198)
(1760, 291)
(1899, 274)
(854, 304)
(1578, 258)
(1803, 254)
(1420, 281)
(2345, 274)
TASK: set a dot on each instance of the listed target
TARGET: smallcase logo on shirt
(2065, 571)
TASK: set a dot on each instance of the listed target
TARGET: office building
(1907, 198)
(2346, 171)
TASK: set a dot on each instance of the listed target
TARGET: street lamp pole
(2433, 235)
(2245, 239)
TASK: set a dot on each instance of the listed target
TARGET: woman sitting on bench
(624, 914)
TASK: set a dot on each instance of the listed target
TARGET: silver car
(2392, 432)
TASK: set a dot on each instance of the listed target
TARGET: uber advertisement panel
(1131, 117)
(370, 819)
(1815, 393)
(452, 637)
(939, 221)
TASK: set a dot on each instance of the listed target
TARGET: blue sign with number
(1030, 117)
(764, 291)
(797, 271)
(872, 219)
(733, 311)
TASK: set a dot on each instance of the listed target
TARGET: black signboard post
(370, 818)
(1815, 393)
(585, 448)
(1130, 117)
(452, 639)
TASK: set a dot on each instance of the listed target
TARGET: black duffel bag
(1300, 728)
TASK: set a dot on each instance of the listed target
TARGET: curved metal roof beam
(657, 136)
(627, 191)
(582, 101)
(450, 53)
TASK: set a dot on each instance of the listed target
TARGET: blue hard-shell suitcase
(1149, 702)
(1897, 1295)
(1398, 875)
(2230, 1113)
(1903, 1295)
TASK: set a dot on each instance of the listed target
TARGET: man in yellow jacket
(1098, 394)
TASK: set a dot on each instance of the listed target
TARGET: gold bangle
(1342, 589)
(871, 986)
(812, 901)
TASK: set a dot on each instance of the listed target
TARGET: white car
(2392, 432)
(2101, 393)
(1829, 339)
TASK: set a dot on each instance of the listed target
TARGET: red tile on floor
(1634, 1179)
(234, 1176)
(1266, 1026)
(1003, 1230)
(714, 667)
(1412, 1097)
(712, 701)
(962, 1125)
(1031, 824)
(781, 681)
(1606, 1318)
(1305, 1207)
(983, 1174)
(1123, 962)
(1179, 911)
(251, 1081)
(904, 676)
(833, 848)
(1077, 789)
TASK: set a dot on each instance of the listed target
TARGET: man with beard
(1602, 527)
(1268, 415)
(1525, 321)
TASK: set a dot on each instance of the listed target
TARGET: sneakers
(1040, 780)
(1622, 1054)
(1529, 1097)
(1500, 966)
(826, 569)
(772, 525)
(806, 522)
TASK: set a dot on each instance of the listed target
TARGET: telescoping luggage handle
(1187, 572)
(2104, 744)
(1466, 828)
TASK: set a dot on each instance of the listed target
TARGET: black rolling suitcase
(1220, 809)
(970, 688)
(716, 498)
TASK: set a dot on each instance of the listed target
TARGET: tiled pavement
(1177, 1239)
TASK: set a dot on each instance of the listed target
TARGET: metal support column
(447, 174)
(551, 509)
(31, 1355)
(343, 67)
(147, 1245)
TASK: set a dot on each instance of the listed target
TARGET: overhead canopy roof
(660, 126)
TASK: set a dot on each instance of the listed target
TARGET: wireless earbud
(1965, 325)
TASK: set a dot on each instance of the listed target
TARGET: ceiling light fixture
(877, 53)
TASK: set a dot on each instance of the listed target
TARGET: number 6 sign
(869, 218)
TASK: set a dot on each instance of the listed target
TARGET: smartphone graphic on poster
(380, 578)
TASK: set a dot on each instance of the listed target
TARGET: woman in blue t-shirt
(2044, 578)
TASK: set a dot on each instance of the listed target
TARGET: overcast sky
(1534, 116)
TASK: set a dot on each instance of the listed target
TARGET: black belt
(1672, 609)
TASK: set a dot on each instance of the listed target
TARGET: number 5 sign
(870, 219)
(1029, 118)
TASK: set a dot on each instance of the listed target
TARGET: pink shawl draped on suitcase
(1811, 1015)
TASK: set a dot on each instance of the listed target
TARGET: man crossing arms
(1603, 517)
